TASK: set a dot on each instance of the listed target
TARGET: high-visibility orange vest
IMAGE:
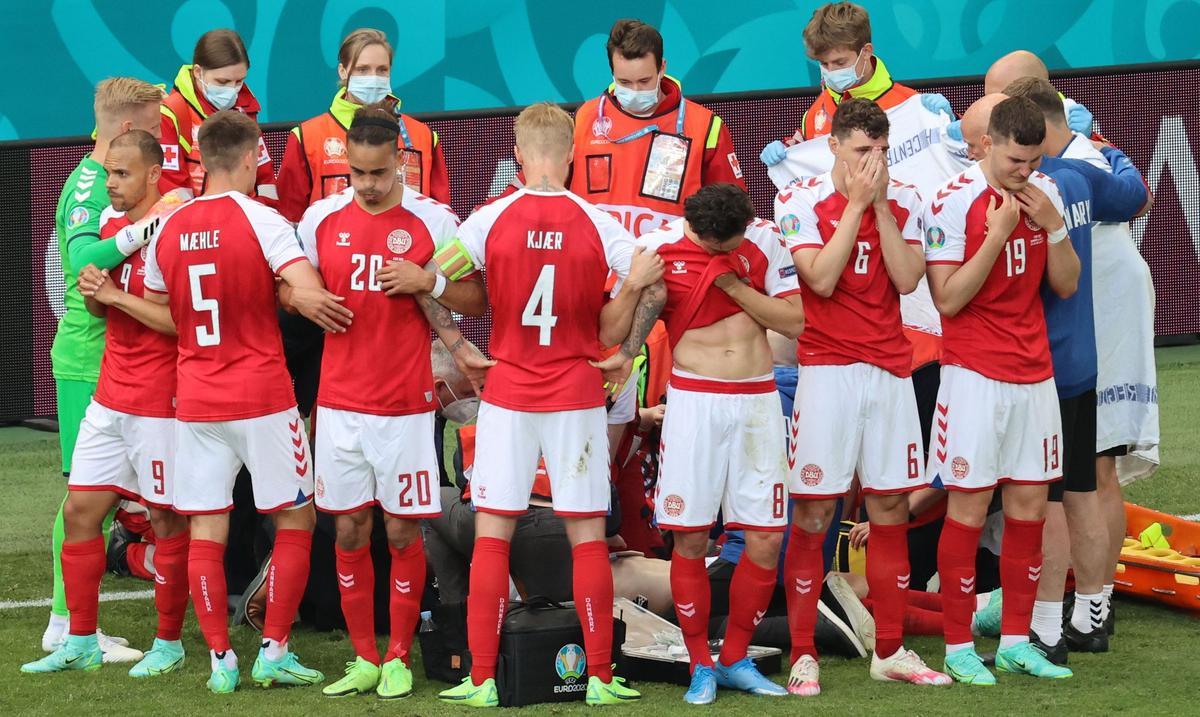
(613, 149)
(322, 141)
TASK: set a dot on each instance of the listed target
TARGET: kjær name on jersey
(544, 240)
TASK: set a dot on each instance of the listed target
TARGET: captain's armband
(454, 261)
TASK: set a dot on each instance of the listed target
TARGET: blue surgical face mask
(636, 102)
(843, 79)
(369, 89)
(222, 97)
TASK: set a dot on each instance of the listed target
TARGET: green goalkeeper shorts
(73, 400)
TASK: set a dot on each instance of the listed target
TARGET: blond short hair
(544, 131)
(836, 26)
(117, 96)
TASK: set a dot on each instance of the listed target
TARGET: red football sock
(1020, 570)
(135, 558)
(888, 577)
(956, 566)
(404, 605)
(171, 584)
(693, 600)
(82, 568)
(356, 583)
(803, 568)
(206, 575)
(752, 585)
(487, 601)
(924, 600)
(592, 581)
(286, 579)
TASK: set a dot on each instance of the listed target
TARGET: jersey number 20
(539, 310)
(205, 336)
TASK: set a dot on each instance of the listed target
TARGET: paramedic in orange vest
(838, 37)
(216, 80)
(314, 163)
(641, 148)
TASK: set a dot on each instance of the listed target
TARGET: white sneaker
(805, 677)
(117, 649)
(56, 632)
(906, 666)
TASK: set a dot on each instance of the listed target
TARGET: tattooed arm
(616, 368)
(470, 360)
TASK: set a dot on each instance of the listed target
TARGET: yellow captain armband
(453, 260)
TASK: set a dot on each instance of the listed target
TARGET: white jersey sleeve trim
(276, 235)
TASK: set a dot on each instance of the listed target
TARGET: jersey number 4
(205, 336)
(539, 310)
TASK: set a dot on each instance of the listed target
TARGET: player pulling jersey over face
(856, 241)
(993, 235)
(214, 262)
(728, 278)
(548, 255)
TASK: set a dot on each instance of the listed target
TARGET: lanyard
(644, 130)
(404, 132)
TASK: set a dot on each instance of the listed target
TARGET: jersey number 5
(539, 310)
(204, 335)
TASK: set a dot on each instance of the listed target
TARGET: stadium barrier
(1149, 111)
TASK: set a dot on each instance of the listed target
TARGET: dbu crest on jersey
(399, 241)
(673, 505)
(811, 475)
(1033, 226)
(935, 237)
(959, 467)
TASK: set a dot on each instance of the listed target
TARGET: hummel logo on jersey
(686, 609)
(967, 585)
(343, 239)
(680, 267)
(346, 581)
(803, 586)
(834, 223)
(403, 587)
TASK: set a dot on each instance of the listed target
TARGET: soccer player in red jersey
(214, 263)
(993, 235)
(728, 278)
(857, 244)
(548, 255)
(126, 443)
(376, 444)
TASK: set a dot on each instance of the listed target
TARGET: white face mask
(463, 410)
(221, 97)
(842, 79)
(636, 102)
(369, 89)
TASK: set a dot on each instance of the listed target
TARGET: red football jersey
(381, 364)
(762, 258)
(860, 321)
(1001, 333)
(137, 373)
(548, 255)
(217, 257)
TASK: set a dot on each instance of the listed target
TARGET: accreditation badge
(332, 184)
(409, 170)
(665, 167)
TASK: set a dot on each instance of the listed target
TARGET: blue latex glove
(1079, 119)
(773, 153)
(937, 103)
(954, 130)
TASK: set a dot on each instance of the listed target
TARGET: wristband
(439, 286)
(1057, 235)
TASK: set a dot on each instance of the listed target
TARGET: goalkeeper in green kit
(121, 104)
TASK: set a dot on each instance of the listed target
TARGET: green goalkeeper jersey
(79, 341)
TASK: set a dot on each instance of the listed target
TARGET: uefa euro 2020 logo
(570, 663)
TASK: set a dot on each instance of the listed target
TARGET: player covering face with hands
(855, 239)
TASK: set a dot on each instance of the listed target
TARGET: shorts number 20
(421, 479)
